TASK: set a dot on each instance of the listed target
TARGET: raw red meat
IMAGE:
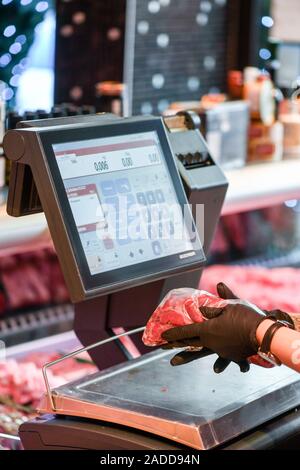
(31, 279)
(69, 369)
(181, 307)
(276, 288)
(41, 292)
(16, 292)
(23, 383)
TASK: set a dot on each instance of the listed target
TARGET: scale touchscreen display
(123, 200)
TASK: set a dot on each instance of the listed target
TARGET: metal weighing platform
(188, 406)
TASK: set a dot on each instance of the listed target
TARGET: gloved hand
(230, 332)
(225, 293)
(222, 362)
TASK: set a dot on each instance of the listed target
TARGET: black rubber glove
(230, 332)
(185, 357)
(225, 293)
(221, 363)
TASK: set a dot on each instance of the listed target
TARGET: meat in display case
(34, 300)
(21, 379)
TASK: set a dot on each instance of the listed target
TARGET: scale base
(59, 433)
(189, 405)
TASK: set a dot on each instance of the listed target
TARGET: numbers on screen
(127, 162)
(101, 166)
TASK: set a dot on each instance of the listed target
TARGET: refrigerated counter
(132, 205)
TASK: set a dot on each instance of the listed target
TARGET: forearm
(285, 344)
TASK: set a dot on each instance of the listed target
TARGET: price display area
(123, 201)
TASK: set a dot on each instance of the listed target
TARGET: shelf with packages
(252, 187)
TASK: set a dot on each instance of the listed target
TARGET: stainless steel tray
(187, 404)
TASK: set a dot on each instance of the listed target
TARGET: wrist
(262, 329)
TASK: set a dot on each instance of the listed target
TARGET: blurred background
(234, 62)
(167, 50)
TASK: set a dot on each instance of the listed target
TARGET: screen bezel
(154, 268)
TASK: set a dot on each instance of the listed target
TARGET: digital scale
(132, 205)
